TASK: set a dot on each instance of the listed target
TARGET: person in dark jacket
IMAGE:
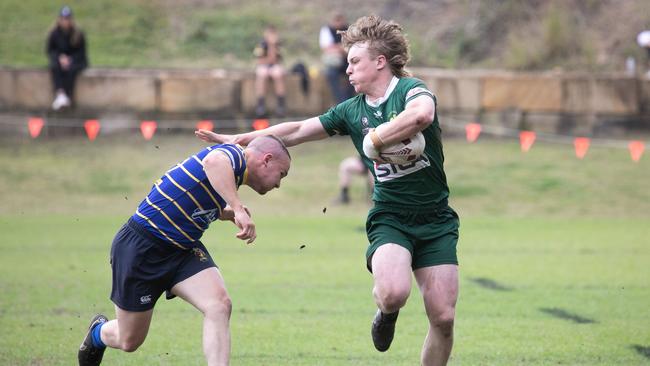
(334, 57)
(66, 50)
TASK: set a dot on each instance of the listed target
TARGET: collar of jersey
(245, 178)
(391, 87)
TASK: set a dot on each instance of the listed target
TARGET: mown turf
(542, 281)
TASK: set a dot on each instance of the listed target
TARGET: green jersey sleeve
(334, 120)
(416, 89)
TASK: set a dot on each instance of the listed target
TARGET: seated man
(158, 250)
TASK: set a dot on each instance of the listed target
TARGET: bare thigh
(204, 290)
(439, 287)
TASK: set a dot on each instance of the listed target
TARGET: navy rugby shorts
(145, 266)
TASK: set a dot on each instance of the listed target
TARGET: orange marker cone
(472, 131)
(205, 125)
(35, 124)
(581, 145)
(92, 127)
(148, 129)
(526, 140)
(260, 124)
(636, 149)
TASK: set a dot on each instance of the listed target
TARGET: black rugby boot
(383, 330)
(90, 355)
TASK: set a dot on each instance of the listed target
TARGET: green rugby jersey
(421, 183)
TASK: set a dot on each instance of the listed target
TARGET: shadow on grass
(490, 284)
(643, 351)
(563, 314)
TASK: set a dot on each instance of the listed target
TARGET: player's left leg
(439, 288)
(206, 290)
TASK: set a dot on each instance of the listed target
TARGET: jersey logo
(378, 114)
(200, 254)
(386, 172)
(205, 217)
(365, 126)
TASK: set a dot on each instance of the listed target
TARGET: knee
(391, 299)
(221, 306)
(444, 322)
(131, 345)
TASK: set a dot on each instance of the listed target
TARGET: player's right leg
(140, 264)
(127, 333)
(389, 258)
(391, 270)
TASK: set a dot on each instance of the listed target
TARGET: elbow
(424, 119)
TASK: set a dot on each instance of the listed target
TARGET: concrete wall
(550, 101)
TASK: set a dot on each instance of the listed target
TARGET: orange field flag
(148, 129)
(581, 145)
(472, 130)
(92, 127)
(35, 124)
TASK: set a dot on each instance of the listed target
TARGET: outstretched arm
(291, 133)
(222, 178)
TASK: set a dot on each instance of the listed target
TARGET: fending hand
(209, 136)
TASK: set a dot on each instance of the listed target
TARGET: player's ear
(381, 62)
(267, 157)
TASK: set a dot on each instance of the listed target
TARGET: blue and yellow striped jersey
(182, 203)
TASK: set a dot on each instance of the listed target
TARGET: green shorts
(430, 235)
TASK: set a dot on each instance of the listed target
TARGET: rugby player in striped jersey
(159, 249)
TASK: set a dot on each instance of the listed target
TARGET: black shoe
(383, 330)
(90, 355)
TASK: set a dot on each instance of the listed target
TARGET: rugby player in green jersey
(411, 228)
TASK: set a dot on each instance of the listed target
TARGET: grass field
(554, 251)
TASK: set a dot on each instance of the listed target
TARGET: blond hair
(384, 37)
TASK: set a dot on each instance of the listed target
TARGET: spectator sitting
(269, 66)
(66, 50)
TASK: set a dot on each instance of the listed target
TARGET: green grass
(209, 34)
(556, 232)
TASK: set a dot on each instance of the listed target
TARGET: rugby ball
(405, 151)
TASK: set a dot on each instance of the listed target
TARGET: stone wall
(547, 102)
